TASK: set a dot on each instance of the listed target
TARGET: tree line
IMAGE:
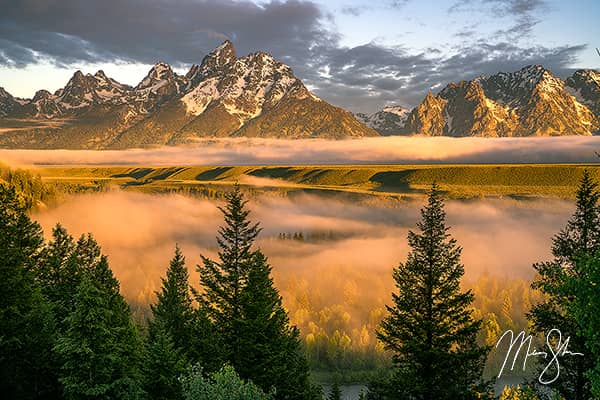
(67, 332)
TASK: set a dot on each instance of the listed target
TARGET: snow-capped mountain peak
(79, 91)
(244, 86)
(41, 95)
(159, 75)
(214, 62)
(530, 101)
(7, 102)
(389, 121)
(397, 110)
(584, 85)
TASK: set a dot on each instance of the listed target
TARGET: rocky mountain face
(223, 96)
(584, 85)
(389, 121)
(8, 104)
(258, 96)
(528, 102)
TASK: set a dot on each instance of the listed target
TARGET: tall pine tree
(170, 332)
(163, 365)
(584, 306)
(58, 273)
(173, 309)
(430, 329)
(571, 248)
(64, 263)
(100, 348)
(224, 280)
(270, 347)
(245, 308)
(26, 321)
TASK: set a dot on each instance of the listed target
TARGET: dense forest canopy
(58, 286)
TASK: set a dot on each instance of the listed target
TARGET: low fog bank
(346, 248)
(383, 150)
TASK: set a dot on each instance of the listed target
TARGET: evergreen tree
(206, 344)
(163, 366)
(91, 262)
(430, 329)
(240, 300)
(224, 280)
(63, 264)
(26, 321)
(577, 241)
(58, 273)
(173, 310)
(585, 282)
(270, 348)
(100, 348)
(170, 332)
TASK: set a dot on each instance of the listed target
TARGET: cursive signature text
(560, 349)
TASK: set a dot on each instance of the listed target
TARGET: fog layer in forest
(340, 251)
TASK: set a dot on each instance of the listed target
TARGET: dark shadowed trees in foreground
(67, 332)
(26, 320)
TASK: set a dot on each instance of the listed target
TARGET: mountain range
(223, 96)
(258, 96)
(528, 102)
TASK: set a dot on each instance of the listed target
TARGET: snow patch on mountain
(244, 86)
(388, 121)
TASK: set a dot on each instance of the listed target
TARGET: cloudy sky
(358, 54)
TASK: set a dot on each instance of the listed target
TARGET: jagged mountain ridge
(256, 95)
(389, 121)
(224, 96)
(528, 102)
(8, 103)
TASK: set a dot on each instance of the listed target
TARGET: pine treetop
(237, 236)
(173, 310)
(175, 288)
(582, 232)
(246, 310)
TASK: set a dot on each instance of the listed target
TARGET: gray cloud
(522, 14)
(519, 7)
(352, 10)
(375, 75)
(137, 30)
(298, 32)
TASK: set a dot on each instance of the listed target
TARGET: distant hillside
(401, 181)
(28, 186)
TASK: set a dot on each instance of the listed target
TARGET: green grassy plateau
(459, 181)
